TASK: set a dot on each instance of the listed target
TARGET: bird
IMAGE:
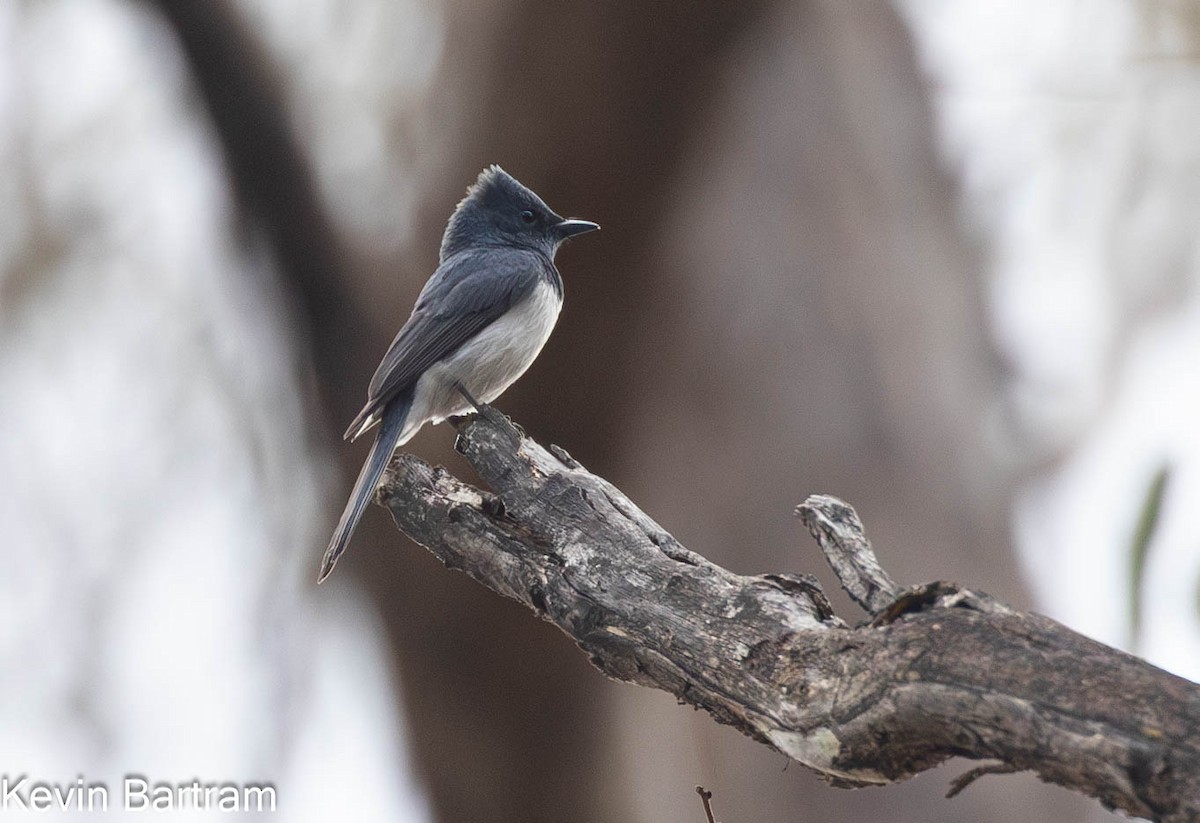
(478, 324)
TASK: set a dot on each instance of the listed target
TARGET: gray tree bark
(936, 671)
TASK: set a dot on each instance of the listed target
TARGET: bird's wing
(467, 292)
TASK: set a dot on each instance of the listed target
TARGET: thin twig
(706, 796)
(967, 778)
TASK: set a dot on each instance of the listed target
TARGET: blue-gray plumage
(479, 323)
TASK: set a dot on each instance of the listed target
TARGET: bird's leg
(482, 409)
(489, 413)
(463, 391)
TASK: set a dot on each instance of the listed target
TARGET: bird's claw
(468, 397)
(488, 413)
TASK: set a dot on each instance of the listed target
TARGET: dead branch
(937, 671)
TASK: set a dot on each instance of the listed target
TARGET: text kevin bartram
(137, 793)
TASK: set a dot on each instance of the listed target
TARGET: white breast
(487, 365)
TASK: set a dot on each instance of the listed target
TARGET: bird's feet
(488, 413)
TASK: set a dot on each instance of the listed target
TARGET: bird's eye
(527, 216)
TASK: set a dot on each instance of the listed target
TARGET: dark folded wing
(468, 291)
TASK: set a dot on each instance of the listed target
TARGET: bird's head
(498, 210)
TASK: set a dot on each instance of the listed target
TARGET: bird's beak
(570, 228)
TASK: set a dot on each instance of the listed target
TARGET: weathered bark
(938, 671)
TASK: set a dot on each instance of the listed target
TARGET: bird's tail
(390, 429)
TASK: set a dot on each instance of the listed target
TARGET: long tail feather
(392, 425)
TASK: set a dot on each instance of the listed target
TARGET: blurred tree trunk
(818, 323)
(271, 176)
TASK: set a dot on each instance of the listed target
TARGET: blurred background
(939, 259)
